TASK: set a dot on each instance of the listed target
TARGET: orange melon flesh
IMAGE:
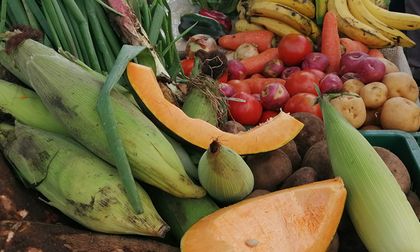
(301, 219)
(266, 137)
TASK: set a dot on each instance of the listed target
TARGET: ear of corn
(26, 107)
(70, 93)
(77, 183)
(378, 208)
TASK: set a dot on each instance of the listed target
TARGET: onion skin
(200, 42)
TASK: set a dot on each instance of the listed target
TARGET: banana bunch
(282, 17)
(376, 27)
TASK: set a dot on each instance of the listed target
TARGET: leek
(378, 208)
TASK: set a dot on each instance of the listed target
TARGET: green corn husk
(76, 182)
(26, 107)
(379, 209)
(70, 93)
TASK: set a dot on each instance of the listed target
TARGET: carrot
(257, 75)
(253, 85)
(262, 39)
(256, 64)
(330, 43)
(353, 45)
(376, 53)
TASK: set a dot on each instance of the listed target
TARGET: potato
(390, 67)
(401, 84)
(353, 86)
(373, 117)
(317, 157)
(374, 94)
(401, 114)
(396, 166)
(292, 152)
(414, 202)
(304, 175)
(352, 108)
(312, 132)
(270, 169)
(232, 127)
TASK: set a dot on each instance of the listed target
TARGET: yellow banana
(359, 11)
(285, 15)
(397, 20)
(243, 25)
(276, 26)
(355, 29)
(305, 7)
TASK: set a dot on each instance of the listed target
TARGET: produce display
(239, 129)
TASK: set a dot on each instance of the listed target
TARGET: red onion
(331, 83)
(371, 69)
(274, 68)
(350, 62)
(274, 96)
(315, 60)
(226, 89)
(349, 76)
(289, 71)
(236, 70)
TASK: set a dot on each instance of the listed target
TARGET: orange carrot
(262, 39)
(376, 53)
(351, 45)
(330, 43)
(257, 63)
(253, 85)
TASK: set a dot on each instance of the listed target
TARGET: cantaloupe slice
(266, 137)
(300, 219)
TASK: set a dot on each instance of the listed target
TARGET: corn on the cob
(379, 209)
(70, 93)
(79, 184)
(26, 107)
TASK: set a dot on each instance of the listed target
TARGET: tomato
(224, 77)
(240, 86)
(293, 48)
(303, 102)
(318, 73)
(267, 115)
(302, 82)
(187, 66)
(246, 113)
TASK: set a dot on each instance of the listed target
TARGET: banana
(305, 7)
(320, 10)
(355, 29)
(276, 26)
(243, 25)
(286, 15)
(397, 20)
(359, 11)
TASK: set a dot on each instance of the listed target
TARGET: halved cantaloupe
(266, 137)
(300, 219)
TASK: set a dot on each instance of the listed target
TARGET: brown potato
(401, 114)
(334, 245)
(414, 202)
(390, 67)
(292, 152)
(370, 127)
(401, 84)
(352, 108)
(374, 94)
(270, 169)
(302, 176)
(312, 132)
(396, 166)
(256, 193)
(373, 117)
(232, 127)
(317, 157)
(353, 86)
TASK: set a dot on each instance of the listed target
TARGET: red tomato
(303, 102)
(224, 77)
(246, 113)
(187, 66)
(293, 48)
(240, 86)
(302, 82)
(318, 73)
(267, 115)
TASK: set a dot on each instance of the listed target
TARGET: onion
(349, 76)
(200, 42)
(274, 68)
(226, 89)
(289, 71)
(245, 51)
(236, 70)
(274, 96)
(371, 69)
(331, 83)
(315, 60)
(350, 62)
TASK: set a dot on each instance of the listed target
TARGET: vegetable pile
(247, 139)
